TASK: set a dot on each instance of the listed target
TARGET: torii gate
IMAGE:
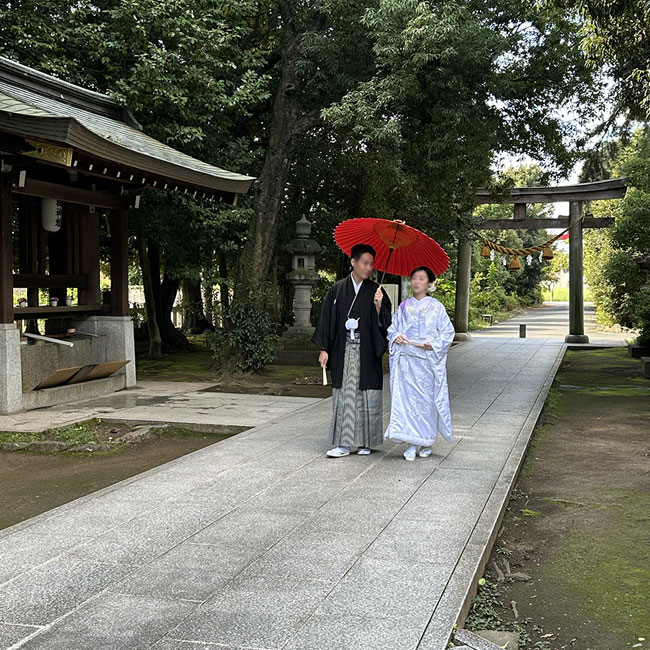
(576, 195)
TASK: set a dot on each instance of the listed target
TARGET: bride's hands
(401, 340)
(424, 346)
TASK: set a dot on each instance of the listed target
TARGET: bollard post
(522, 330)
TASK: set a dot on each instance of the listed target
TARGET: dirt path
(579, 522)
(31, 483)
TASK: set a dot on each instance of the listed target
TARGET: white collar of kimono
(351, 324)
(354, 284)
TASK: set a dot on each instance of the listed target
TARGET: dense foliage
(615, 35)
(617, 261)
(249, 343)
(340, 108)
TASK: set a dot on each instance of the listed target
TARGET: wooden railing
(46, 281)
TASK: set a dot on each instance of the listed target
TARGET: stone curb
(54, 446)
(474, 641)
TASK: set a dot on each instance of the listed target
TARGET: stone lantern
(303, 275)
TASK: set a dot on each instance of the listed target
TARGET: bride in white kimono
(419, 338)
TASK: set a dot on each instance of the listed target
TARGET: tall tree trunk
(155, 340)
(194, 320)
(173, 338)
(164, 294)
(208, 301)
(224, 289)
(274, 302)
(285, 298)
(153, 253)
(288, 127)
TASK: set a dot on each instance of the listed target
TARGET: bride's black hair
(430, 274)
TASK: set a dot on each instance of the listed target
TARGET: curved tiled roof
(36, 105)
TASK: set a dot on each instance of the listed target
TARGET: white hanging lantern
(51, 214)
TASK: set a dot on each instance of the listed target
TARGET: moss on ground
(96, 431)
(587, 547)
(79, 433)
(606, 566)
(31, 483)
(193, 364)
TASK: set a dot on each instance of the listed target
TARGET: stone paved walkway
(551, 321)
(260, 542)
(181, 403)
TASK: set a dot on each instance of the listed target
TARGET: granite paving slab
(259, 542)
(168, 402)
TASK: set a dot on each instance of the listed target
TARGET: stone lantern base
(296, 348)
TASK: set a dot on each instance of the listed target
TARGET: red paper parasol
(400, 248)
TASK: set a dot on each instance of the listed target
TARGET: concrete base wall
(118, 333)
(638, 351)
(40, 358)
(296, 347)
(22, 367)
(645, 367)
(11, 391)
(37, 399)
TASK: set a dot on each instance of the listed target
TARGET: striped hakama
(357, 414)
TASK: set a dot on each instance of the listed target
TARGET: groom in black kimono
(352, 337)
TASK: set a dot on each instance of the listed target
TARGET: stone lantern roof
(303, 244)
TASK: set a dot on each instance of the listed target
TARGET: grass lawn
(579, 518)
(561, 294)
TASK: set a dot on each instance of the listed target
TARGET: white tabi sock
(409, 454)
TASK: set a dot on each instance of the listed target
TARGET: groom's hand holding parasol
(379, 296)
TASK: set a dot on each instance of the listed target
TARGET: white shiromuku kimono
(418, 378)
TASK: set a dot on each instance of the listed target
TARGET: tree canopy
(615, 35)
(340, 108)
(617, 262)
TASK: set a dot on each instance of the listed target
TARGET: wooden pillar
(24, 239)
(6, 254)
(34, 237)
(119, 262)
(11, 391)
(89, 257)
(28, 253)
(520, 210)
(463, 276)
(576, 278)
(57, 251)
